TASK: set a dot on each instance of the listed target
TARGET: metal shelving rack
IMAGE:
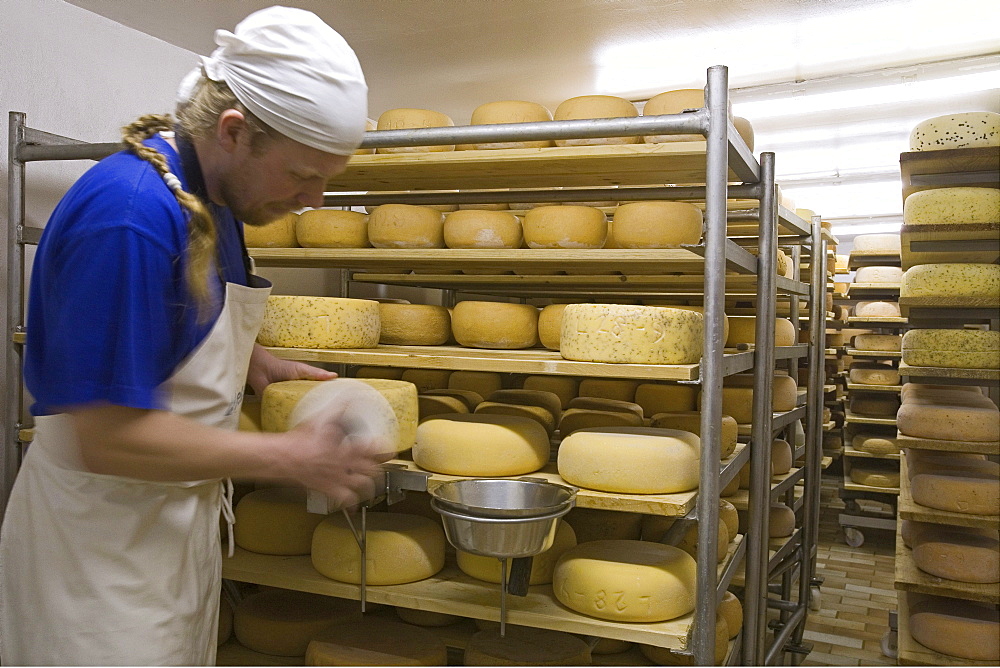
(723, 158)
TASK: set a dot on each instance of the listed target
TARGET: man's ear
(229, 129)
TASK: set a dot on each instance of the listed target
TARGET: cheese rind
(949, 421)
(655, 224)
(952, 206)
(961, 348)
(425, 617)
(274, 520)
(691, 421)
(376, 642)
(511, 111)
(550, 325)
(427, 379)
(405, 226)
(595, 106)
(874, 274)
(319, 322)
(956, 554)
(609, 388)
(481, 445)
(867, 373)
(473, 228)
(661, 398)
(873, 476)
(414, 324)
(743, 329)
(592, 524)
(888, 244)
(879, 342)
(574, 419)
(875, 444)
(495, 325)
(631, 334)
(969, 129)
(564, 387)
(281, 622)
(278, 233)
(565, 227)
(332, 228)
(482, 383)
(966, 629)
(965, 280)
(877, 309)
(537, 413)
(407, 118)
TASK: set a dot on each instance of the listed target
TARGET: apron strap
(227, 511)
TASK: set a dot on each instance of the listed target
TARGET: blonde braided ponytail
(202, 233)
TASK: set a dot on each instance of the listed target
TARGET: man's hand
(265, 369)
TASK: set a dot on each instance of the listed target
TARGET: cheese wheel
(807, 215)
(691, 421)
(565, 227)
(952, 206)
(738, 403)
(482, 383)
(482, 229)
(781, 521)
(319, 322)
(574, 419)
(427, 379)
(657, 224)
(656, 398)
(781, 457)
(877, 309)
(332, 228)
(595, 106)
(875, 444)
(511, 111)
(281, 622)
(961, 348)
(278, 233)
(979, 281)
(414, 324)
(875, 406)
(404, 119)
(887, 244)
(426, 617)
(969, 129)
(488, 569)
(966, 629)
(888, 275)
(743, 329)
(879, 342)
(495, 325)
(525, 646)
(468, 398)
(375, 641)
(400, 548)
(631, 460)
(388, 373)
(673, 102)
(481, 445)
(250, 414)
(543, 399)
(744, 128)
(564, 387)
(955, 554)
(626, 581)
(609, 388)
(697, 309)
(654, 528)
(872, 475)
(737, 396)
(949, 422)
(274, 520)
(869, 373)
(969, 492)
(536, 413)
(550, 325)
(431, 405)
(602, 404)
(405, 226)
(631, 334)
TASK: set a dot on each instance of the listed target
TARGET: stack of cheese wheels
(543, 565)
(281, 400)
(957, 553)
(469, 398)
(472, 228)
(595, 106)
(481, 445)
(376, 642)
(656, 224)
(737, 396)
(400, 548)
(663, 398)
(536, 413)
(878, 342)
(691, 421)
(482, 383)
(876, 473)
(565, 387)
(631, 460)
(525, 646)
(626, 580)
(877, 309)
(550, 325)
(947, 415)
(278, 233)
(405, 226)
(877, 275)
(873, 373)
(571, 227)
(319, 322)
(406, 119)
(743, 330)
(950, 206)
(274, 520)
(602, 404)
(956, 482)
(592, 524)
(499, 325)
(957, 348)
(960, 628)
(427, 379)
(511, 111)
(547, 401)
(281, 622)
(332, 228)
(631, 334)
(959, 281)
(414, 324)
(431, 405)
(605, 417)
(969, 129)
(877, 244)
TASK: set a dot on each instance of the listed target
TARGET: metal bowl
(500, 537)
(501, 498)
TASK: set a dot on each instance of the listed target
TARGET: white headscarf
(294, 73)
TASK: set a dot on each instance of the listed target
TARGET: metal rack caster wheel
(815, 599)
(890, 648)
(853, 537)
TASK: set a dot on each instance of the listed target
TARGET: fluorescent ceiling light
(845, 229)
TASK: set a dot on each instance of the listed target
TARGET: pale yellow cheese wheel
(609, 388)
(536, 413)
(404, 119)
(781, 457)
(876, 309)
(878, 342)
(281, 622)
(427, 379)
(697, 309)
(949, 206)
(495, 325)
(737, 396)
(376, 641)
(400, 548)
(966, 629)
(274, 520)
(876, 274)
(332, 228)
(405, 226)
(595, 524)
(564, 387)
(674, 102)
(654, 528)
(869, 373)
(250, 414)
(781, 521)
(602, 404)
(662, 398)
(319, 322)
(959, 279)
(743, 329)
(691, 421)
(525, 646)
(968, 129)
(481, 445)
(414, 324)
(655, 224)
(550, 325)
(574, 419)
(626, 581)
(468, 398)
(488, 569)
(619, 333)
(440, 405)
(541, 398)
(595, 106)
(955, 553)
(967, 492)
(631, 460)
(472, 228)
(511, 111)
(426, 617)
(573, 227)
(876, 444)
(744, 128)
(874, 476)
(279, 233)
(961, 348)
(482, 383)
(948, 420)
(887, 244)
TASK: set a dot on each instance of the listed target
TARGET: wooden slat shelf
(910, 578)
(453, 592)
(860, 259)
(906, 304)
(861, 387)
(912, 653)
(870, 489)
(954, 167)
(886, 322)
(910, 510)
(854, 418)
(980, 447)
(570, 166)
(532, 361)
(934, 244)
(949, 372)
(825, 462)
(873, 290)
(875, 354)
(850, 451)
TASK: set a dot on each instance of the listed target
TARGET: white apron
(105, 570)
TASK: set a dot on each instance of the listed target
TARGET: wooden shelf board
(910, 510)
(878, 322)
(943, 243)
(860, 259)
(872, 290)
(825, 462)
(875, 354)
(861, 387)
(26, 435)
(741, 498)
(954, 167)
(850, 451)
(912, 653)
(910, 578)
(980, 447)
(946, 303)
(853, 418)
(19, 337)
(948, 372)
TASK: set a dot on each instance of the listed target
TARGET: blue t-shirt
(109, 313)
